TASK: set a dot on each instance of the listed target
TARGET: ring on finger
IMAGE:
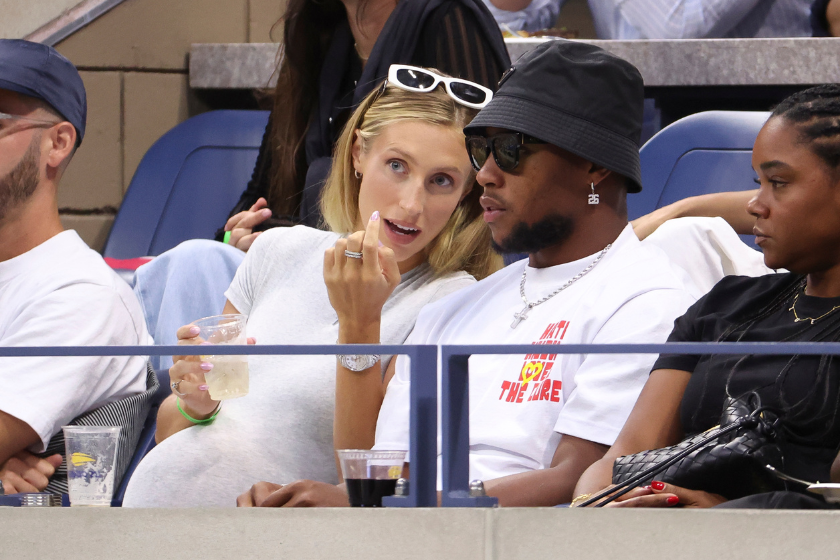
(175, 385)
(352, 254)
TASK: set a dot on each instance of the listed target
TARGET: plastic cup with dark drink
(370, 475)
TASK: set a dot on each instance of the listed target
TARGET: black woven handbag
(728, 459)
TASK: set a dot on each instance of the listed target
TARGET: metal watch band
(358, 362)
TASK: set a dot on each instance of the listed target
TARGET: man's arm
(511, 5)
(15, 435)
(731, 206)
(653, 423)
(832, 15)
(552, 486)
(545, 487)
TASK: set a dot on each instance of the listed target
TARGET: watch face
(359, 362)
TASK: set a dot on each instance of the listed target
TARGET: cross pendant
(519, 317)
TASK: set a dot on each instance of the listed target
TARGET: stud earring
(357, 174)
(594, 198)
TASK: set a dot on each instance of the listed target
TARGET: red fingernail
(656, 485)
(374, 216)
(203, 387)
(672, 500)
(206, 366)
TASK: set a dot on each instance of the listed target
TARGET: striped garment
(700, 19)
(673, 19)
(129, 413)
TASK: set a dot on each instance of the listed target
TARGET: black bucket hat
(578, 97)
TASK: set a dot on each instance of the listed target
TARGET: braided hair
(816, 113)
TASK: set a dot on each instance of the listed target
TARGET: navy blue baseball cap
(38, 71)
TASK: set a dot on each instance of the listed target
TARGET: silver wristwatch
(358, 362)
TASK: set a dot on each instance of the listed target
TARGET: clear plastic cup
(91, 462)
(229, 377)
(370, 475)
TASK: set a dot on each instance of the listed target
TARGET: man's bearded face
(19, 183)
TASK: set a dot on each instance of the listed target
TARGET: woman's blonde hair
(464, 243)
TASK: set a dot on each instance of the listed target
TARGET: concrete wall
(421, 534)
(133, 61)
(22, 17)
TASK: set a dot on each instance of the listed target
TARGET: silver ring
(175, 390)
(352, 254)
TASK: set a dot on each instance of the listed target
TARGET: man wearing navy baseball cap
(557, 151)
(54, 290)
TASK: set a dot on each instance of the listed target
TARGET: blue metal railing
(454, 393)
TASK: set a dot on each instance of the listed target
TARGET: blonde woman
(402, 174)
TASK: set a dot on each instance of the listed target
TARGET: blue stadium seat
(146, 442)
(187, 183)
(700, 154)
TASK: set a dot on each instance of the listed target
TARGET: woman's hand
(359, 288)
(241, 226)
(188, 372)
(660, 494)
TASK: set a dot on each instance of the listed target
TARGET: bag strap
(636, 480)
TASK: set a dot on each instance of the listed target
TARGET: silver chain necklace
(522, 315)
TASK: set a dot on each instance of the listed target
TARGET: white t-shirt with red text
(521, 405)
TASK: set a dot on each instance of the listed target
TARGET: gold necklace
(797, 319)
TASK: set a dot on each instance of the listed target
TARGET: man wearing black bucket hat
(556, 151)
(54, 290)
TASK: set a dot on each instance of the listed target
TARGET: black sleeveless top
(805, 388)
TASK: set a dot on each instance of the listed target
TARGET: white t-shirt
(282, 430)
(61, 293)
(520, 405)
(704, 250)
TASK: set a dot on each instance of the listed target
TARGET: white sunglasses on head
(412, 78)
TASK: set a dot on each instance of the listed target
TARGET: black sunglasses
(504, 146)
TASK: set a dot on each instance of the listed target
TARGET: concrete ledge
(698, 62)
(233, 66)
(389, 534)
(722, 62)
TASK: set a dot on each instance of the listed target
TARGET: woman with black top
(335, 53)
(796, 210)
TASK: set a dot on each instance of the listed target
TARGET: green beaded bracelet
(195, 421)
(226, 238)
